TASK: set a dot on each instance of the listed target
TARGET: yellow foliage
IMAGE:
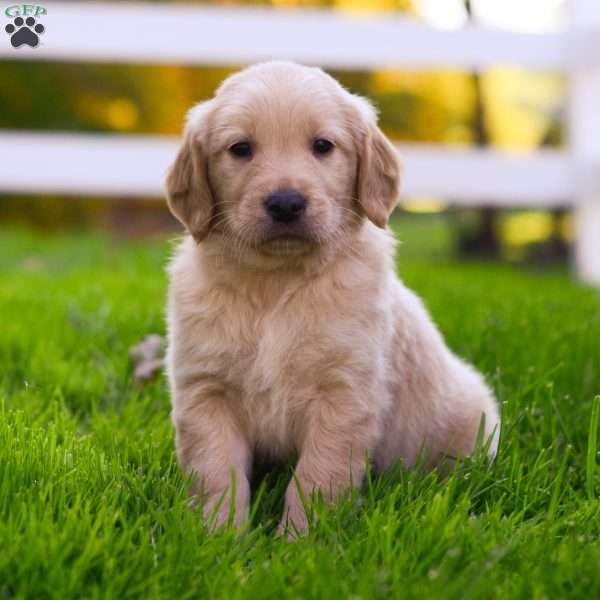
(520, 106)
(424, 205)
(287, 3)
(448, 97)
(121, 114)
(358, 6)
(373, 5)
(451, 89)
(459, 134)
(527, 227)
(118, 114)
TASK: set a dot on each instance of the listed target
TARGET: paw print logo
(24, 32)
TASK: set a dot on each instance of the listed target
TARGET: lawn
(92, 503)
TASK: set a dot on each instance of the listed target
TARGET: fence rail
(129, 32)
(115, 165)
(102, 165)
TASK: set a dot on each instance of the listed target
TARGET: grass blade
(591, 450)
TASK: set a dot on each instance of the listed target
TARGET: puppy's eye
(241, 150)
(322, 146)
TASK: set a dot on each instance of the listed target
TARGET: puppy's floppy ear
(378, 184)
(189, 196)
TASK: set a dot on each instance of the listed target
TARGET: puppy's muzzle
(285, 206)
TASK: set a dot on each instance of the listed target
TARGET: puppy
(289, 332)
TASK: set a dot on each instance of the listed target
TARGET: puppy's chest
(264, 359)
(258, 360)
(276, 361)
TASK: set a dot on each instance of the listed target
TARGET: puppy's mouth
(287, 245)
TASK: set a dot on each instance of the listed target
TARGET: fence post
(584, 133)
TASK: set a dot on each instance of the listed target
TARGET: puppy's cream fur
(300, 340)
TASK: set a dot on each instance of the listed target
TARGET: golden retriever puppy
(289, 332)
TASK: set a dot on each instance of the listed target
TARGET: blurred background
(504, 108)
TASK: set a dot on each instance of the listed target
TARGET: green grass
(92, 504)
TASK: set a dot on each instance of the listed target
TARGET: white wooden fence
(117, 165)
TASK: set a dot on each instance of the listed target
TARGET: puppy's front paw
(293, 526)
(294, 522)
(219, 510)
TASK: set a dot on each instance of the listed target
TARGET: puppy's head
(282, 161)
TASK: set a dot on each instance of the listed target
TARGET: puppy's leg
(211, 447)
(460, 417)
(332, 457)
(478, 408)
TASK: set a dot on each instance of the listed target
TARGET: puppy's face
(282, 161)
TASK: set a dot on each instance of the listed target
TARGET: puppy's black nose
(285, 207)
